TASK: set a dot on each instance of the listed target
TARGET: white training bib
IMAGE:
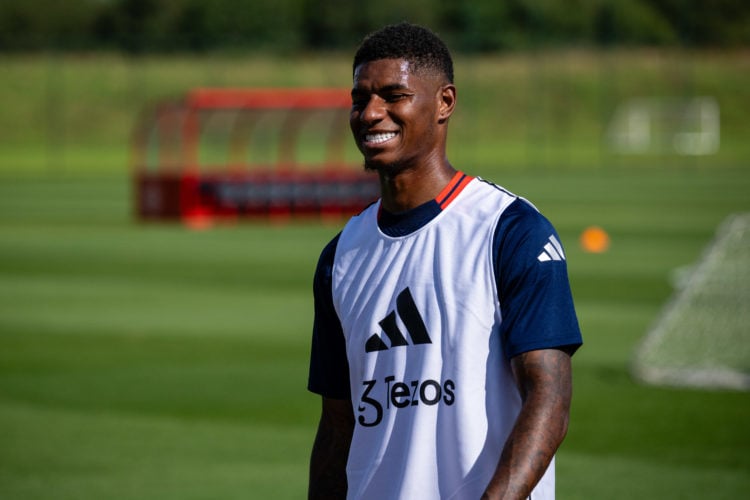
(432, 394)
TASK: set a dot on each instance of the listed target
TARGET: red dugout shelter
(234, 153)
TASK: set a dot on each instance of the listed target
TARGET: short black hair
(421, 47)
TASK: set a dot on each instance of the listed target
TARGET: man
(444, 323)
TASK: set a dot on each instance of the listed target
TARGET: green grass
(152, 361)
(149, 361)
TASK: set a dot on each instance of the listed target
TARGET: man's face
(395, 115)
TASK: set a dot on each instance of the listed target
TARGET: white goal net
(702, 336)
(685, 126)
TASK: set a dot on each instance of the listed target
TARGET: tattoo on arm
(544, 381)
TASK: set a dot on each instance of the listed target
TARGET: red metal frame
(173, 185)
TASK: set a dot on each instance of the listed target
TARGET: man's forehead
(394, 72)
(383, 68)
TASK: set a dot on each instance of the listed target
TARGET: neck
(408, 188)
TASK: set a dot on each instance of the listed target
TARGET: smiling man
(444, 324)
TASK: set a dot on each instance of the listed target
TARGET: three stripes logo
(552, 251)
(412, 320)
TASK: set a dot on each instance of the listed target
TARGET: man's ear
(447, 98)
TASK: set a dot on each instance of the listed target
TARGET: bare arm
(331, 450)
(544, 380)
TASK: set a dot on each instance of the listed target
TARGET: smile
(379, 138)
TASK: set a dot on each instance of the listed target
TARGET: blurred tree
(481, 25)
(700, 23)
(332, 23)
(634, 23)
(39, 24)
(192, 29)
(125, 24)
(264, 24)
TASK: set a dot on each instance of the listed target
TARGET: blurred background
(154, 360)
(554, 83)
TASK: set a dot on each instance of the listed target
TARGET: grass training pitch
(157, 362)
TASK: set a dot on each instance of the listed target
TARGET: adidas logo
(552, 251)
(412, 320)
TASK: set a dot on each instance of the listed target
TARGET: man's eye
(359, 102)
(395, 97)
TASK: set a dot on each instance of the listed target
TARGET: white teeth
(378, 138)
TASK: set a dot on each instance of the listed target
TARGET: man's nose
(373, 111)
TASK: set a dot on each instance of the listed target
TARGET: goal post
(702, 336)
(688, 126)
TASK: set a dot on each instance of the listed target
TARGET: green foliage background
(194, 25)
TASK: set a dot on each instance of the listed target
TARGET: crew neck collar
(404, 223)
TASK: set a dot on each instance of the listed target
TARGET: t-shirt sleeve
(532, 282)
(329, 368)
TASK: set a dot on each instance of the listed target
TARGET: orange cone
(594, 240)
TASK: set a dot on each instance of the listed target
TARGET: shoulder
(515, 215)
(522, 225)
(324, 268)
(532, 283)
(526, 246)
(329, 251)
(522, 215)
(490, 193)
(359, 226)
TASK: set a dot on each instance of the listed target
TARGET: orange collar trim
(449, 193)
